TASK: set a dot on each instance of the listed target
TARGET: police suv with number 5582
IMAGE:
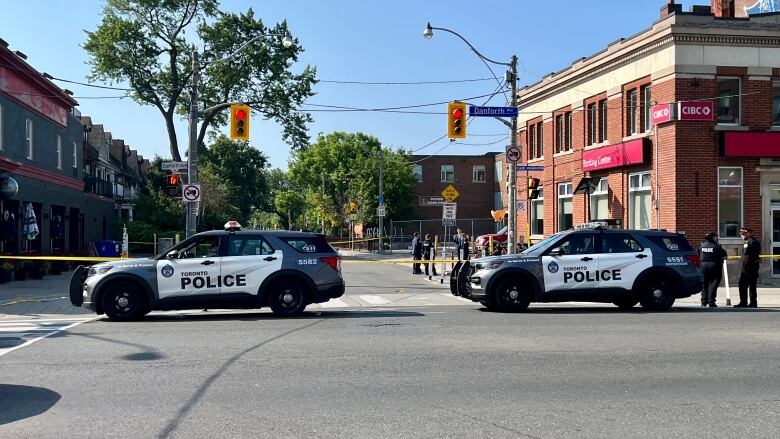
(216, 269)
(589, 264)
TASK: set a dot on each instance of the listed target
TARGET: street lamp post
(512, 79)
(190, 210)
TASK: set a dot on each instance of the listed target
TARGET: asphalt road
(433, 371)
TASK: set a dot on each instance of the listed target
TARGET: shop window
(28, 137)
(591, 124)
(631, 109)
(729, 100)
(603, 123)
(59, 151)
(639, 203)
(646, 99)
(478, 173)
(599, 200)
(417, 173)
(729, 201)
(775, 106)
(565, 207)
(499, 167)
(448, 173)
(537, 214)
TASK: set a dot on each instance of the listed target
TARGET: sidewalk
(37, 297)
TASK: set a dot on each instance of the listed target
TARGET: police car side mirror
(171, 254)
(556, 252)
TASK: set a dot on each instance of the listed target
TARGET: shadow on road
(197, 316)
(542, 309)
(22, 402)
(148, 353)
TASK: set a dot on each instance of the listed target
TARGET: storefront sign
(750, 144)
(613, 156)
(662, 113)
(697, 110)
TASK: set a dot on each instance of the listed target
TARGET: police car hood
(124, 263)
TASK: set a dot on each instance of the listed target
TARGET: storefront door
(775, 206)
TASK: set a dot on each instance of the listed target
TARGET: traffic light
(239, 122)
(172, 185)
(533, 188)
(456, 120)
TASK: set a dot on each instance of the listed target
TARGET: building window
(775, 106)
(59, 151)
(75, 156)
(599, 200)
(417, 173)
(478, 173)
(729, 99)
(537, 214)
(565, 207)
(28, 135)
(591, 124)
(447, 172)
(498, 201)
(558, 133)
(499, 167)
(639, 203)
(567, 138)
(535, 141)
(539, 140)
(631, 107)
(646, 99)
(603, 126)
(729, 201)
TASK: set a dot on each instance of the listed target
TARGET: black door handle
(207, 262)
(641, 256)
(269, 258)
(587, 259)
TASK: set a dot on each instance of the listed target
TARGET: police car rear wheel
(123, 301)
(288, 298)
(511, 296)
(657, 294)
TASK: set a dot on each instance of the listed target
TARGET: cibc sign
(662, 113)
(696, 110)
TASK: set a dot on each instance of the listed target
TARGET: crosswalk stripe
(374, 300)
(334, 303)
(462, 299)
(29, 328)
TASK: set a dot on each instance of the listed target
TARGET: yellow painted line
(61, 258)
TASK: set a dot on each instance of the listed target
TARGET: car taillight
(695, 259)
(333, 261)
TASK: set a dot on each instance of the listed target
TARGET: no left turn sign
(512, 154)
(191, 193)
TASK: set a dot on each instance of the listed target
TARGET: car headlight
(99, 270)
(492, 265)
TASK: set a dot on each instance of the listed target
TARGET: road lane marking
(462, 299)
(52, 331)
(334, 303)
(374, 300)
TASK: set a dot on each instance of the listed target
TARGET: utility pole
(323, 200)
(192, 150)
(512, 192)
(381, 199)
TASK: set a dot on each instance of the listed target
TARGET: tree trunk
(173, 141)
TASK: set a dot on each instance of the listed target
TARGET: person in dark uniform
(416, 253)
(750, 264)
(712, 256)
(429, 254)
(459, 239)
(466, 247)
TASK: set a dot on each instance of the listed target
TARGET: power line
(402, 107)
(452, 81)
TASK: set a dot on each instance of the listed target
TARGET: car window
(619, 243)
(308, 244)
(205, 247)
(671, 243)
(541, 246)
(248, 246)
(578, 244)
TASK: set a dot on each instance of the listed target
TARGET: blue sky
(357, 41)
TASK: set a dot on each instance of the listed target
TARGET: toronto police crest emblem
(167, 271)
(552, 267)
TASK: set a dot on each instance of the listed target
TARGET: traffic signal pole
(512, 192)
(192, 150)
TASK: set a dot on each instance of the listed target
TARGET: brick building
(590, 126)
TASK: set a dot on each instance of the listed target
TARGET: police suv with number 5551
(216, 269)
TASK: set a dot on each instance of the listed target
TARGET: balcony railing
(99, 187)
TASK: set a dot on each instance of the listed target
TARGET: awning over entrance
(750, 144)
(629, 153)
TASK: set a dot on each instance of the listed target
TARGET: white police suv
(592, 263)
(229, 268)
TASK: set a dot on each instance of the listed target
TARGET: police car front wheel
(512, 295)
(287, 298)
(123, 301)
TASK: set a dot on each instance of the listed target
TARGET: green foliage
(219, 203)
(142, 43)
(265, 221)
(160, 210)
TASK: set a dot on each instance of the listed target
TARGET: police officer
(460, 240)
(712, 256)
(429, 254)
(750, 264)
(416, 253)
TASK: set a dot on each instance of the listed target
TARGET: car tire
(287, 298)
(656, 293)
(487, 304)
(511, 295)
(626, 303)
(123, 301)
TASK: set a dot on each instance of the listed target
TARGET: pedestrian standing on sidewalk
(750, 263)
(712, 256)
(459, 239)
(466, 247)
(416, 253)
(429, 254)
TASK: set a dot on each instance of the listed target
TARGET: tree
(218, 205)
(142, 43)
(344, 167)
(289, 205)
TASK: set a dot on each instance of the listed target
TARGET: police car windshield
(541, 246)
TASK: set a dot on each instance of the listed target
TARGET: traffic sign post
(512, 154)
(449, 214)
(381, 211)
(475, 111)
(529, 168)
(521, 205)
(191, 193)
(175, 167)
(450, 194)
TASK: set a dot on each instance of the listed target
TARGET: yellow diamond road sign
(450, 193)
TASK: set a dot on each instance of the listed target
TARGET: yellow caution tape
(61, 258)
(356, 240)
